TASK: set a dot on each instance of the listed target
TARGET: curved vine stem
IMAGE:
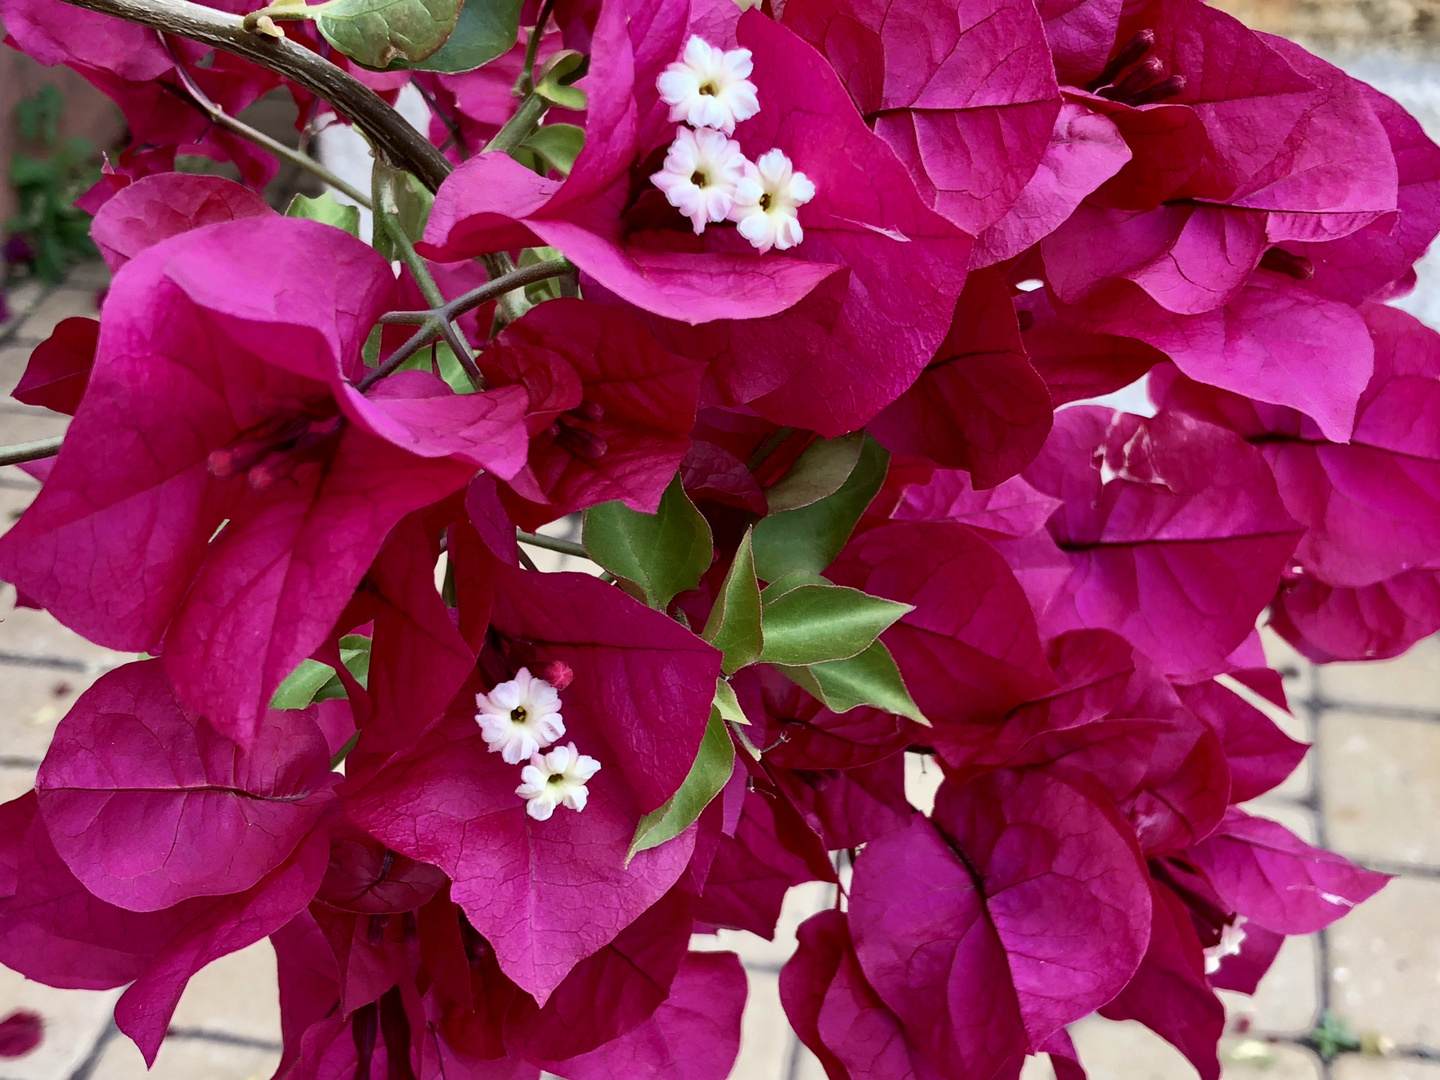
(223, 119)
(385, 127)
(19, 453)
(432, 323)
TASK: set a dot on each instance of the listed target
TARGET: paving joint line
(86, 1069)
(57, 663)
(9, 335)
(223, 1038)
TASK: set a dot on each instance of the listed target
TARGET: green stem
(532, 47)
(387, 215)
(768, 447)
(221, 118)
(30, 451)
(520, 126)
(344, 751)
(552, 543)
(432, 323)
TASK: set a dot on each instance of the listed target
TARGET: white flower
(1232, 937)
(709, 87)
(519, 717)
(555, 778)
(766, 201)
(702, 170)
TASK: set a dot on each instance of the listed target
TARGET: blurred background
(1360, 1001)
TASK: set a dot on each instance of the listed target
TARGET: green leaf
(868, 678)
(377, 32)
(809, 538)
(729, 705)
(659, 554)
(820, 471)
(734, 623)
(313, 681)
(301, 685)
(706, 778)
(326, 209)
(810, 624)
(485, 31)
(559, 72)
(558, 145)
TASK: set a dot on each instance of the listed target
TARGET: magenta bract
(149, 805)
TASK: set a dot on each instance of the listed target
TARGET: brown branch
(390, 132)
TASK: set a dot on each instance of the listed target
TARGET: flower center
(698, 178)
(765, 201)
(295, 431)
(708, 89)
(518, 714)
(555, 778)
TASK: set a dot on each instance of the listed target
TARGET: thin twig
(451, 124)
(434, 321)
(19, 453)
(220, 117)
(385, 127)
(520, 126)
(532, 48)
(552, 543)
(516, 279)
(388, 214)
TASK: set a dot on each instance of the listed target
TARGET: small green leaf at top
(811, 624)
(707, 777)
(734, 624)
(820, 471)
(485, 31)
(868, 678)
(660, 554)
(327, 210)
(376, 33)
(809, 537)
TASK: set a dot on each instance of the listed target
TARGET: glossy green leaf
(485, 31)
(659, 554)
(734, 623)
(810, 624)
(313, 681)
(809, 538)
(705, 780)
(558, 145)
(729, 705)
(328, 210)
(377, 32)
(869, 678)
(817, 473)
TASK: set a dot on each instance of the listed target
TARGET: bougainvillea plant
(801, 307)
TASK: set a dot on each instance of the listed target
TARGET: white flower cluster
(520, 718)
(706, 175)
